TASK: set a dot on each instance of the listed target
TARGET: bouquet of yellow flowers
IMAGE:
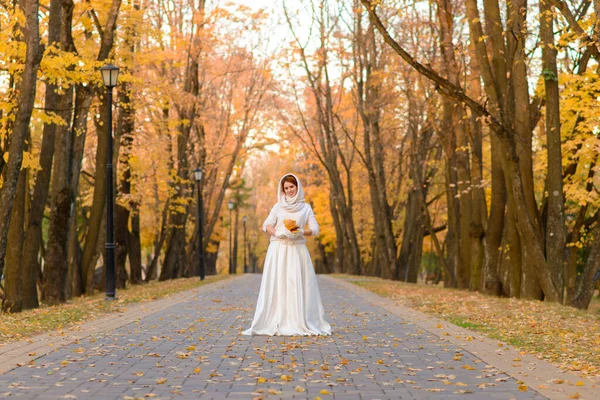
(291, 225)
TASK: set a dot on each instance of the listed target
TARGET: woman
(289, 302)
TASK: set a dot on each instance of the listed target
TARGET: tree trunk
(56, 263)
(340, 254)
(134, 249)
(42, 180)
(161, 234)
(65, 178)
(495, 224)
(176, 235)
(211, 257)
(236, 228)
(414, 220)
(13, 283)
(125, 132)
(520, 110)
(175, 256)
(584, 290)
(74, 260)
(556, 235)
(369, 106)
(26, 93)
(99, 197)
(159, 240)
(479, 226)
(412, 237)
(457, 157)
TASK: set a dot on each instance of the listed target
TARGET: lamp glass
(244, 218)
(198, 174)
(110, 75)
(230, 205)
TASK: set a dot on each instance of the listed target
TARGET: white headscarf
(291, 204)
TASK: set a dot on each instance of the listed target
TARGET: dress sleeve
(313, 225)
(271, 219)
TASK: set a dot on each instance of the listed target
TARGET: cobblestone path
(195, 349)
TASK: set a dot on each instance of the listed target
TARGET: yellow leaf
(523, 388)
(300, 389)
(324, 391)
(160, 381)
(30, 161)
(261, 380)
(197, 370)
(580, 383)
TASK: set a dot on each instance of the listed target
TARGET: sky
(256, 4)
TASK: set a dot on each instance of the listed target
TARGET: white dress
(289, 302)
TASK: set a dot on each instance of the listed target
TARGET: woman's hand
(294, 235)
(282, 233)
(270, 230)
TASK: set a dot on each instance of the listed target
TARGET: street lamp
(198, 176)
(245, 244)
(253, 253)
(110, 75)
(230, 205)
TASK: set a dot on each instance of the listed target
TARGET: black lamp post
(110, 75)
(253, 253)
(230, 205)
(245, 244)
(198, 176)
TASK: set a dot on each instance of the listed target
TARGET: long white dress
(289, 302)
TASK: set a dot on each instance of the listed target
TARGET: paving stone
(194, 349)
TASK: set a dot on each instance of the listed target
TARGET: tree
(25, 92)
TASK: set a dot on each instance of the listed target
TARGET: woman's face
(289, 189)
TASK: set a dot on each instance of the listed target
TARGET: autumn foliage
(456, 139)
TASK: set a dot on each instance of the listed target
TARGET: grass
(19, 326)
(564, 336)
(468, 324)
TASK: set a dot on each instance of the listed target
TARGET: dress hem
(282, 334)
